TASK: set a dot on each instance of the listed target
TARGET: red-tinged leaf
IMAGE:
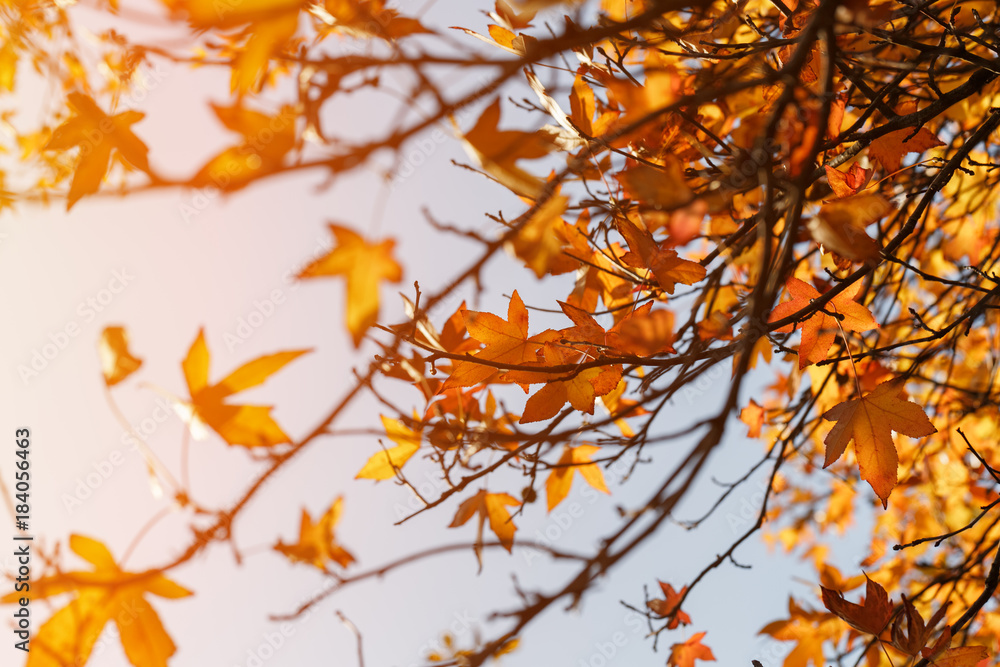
(909, 633)
(668, 606)
(871, 617)
(845, 184)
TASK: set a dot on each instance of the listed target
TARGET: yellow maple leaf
(384, 464)
(117, 362)
(106, 593)
(497, 151)
(364, 265)
(266, 142)
(492, 507)
(869, 422)
(246, 425)
(317, 543)
(573, 459)
(97, 134)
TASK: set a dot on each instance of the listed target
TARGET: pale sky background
(207, 273)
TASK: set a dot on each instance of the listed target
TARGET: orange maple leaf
(869, 421)
(820, 330)
(117, 363)
(580, 390)
(98, 134)
(684, 654)
(364, 265)
(573, 459)
(753, 416)
(238, 166)
(871, 617)
(489, 506)
(667, 267)
(497, 151)
(246, 425)
(889, 149)
(506, 342)
(840, 226)
(668, 606)
(317, 543)
(384, 464)
(106, 593)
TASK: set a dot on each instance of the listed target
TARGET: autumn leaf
(820, 330)
(106, 593)
(662, 187)
(384, 464)
(580, 390)
(317, 543)
(668, 606)
(753, 416)
(245, 425)
(909, 632)
(845, 184)
(266, 142)
(363, 265)
(667, 267)
(492, 507)
(643, 332)
(684, 654)
(869, 422)
(872, 617)
(889, 149)
(962, 656)
(573, 459)
(506, 342)
(117, 362)
(98, 135)
(498, 151)
(537, 242)
(840, 226)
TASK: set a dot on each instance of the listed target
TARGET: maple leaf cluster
(785, 211)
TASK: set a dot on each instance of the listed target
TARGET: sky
(150, 264)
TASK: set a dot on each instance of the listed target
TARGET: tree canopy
(763, 218)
